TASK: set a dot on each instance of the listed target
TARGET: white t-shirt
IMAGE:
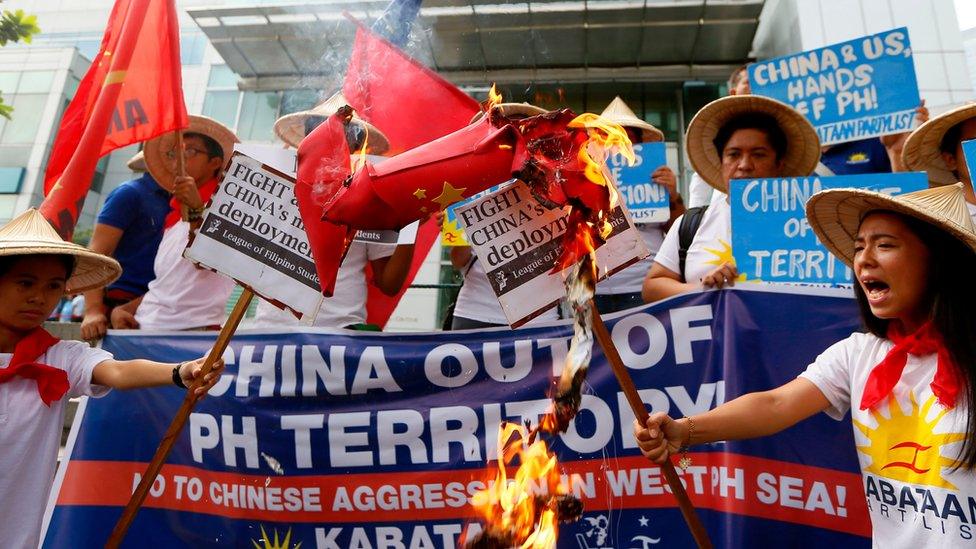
(182, 296)
(348, 302)
(711, 247)
(905, 447)
(477, 301)
(30, 434)
(631, 279)
(699, 192)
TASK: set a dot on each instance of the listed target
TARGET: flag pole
(176, 426)
(640, 412)
(181, 171)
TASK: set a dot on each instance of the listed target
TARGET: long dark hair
(952, 306)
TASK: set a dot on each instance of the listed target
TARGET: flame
(360, 155)
(605, 138)
(494, 98)
(509, 507)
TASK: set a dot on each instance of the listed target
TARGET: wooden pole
(640, 412)
(181, 171)
(176, 426)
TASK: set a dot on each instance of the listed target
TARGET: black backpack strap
(686, 234)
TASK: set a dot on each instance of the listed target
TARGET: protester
(622, 290)
(700, 193)
(936, 147)
(129, 228)
(477, 305)
(733, 137)
(911, 378)
(183, 296)
(37, 371)
(388, 263)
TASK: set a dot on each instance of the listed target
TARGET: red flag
(132, 92)
(408, 102)
(379, 78)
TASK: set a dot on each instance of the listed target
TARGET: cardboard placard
(771, 238)
(646, 201)
(452, 233)
(518, 240)
(252, 231)
(969, 151)
(852, 90)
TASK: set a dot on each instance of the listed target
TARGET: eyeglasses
(188, 152)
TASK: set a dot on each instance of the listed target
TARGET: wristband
(685, 461)
(177, 378)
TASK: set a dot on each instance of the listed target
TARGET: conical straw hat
(137, 163)
(618, 111)
(802, 143)
(30, 234)
(922, 150)
(511, 109)
(291, 127)
(836, 214)
(163, 169)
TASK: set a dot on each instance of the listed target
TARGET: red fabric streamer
(132, 92)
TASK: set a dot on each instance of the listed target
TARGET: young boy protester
(735, 137)
(909, 382)
(183, 296)
(39, 373)
(936, 147)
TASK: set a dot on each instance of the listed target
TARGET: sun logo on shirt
(724, 255)
(267, 543)
(857, 158)
(906, 447)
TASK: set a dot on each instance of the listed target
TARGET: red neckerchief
(52, 383)
(925, 341)
(206, 191)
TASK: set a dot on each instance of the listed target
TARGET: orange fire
(519, 511)
(605, 138)
(494, 98)
(359, 157)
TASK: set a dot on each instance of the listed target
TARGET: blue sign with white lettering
(969, 151)
(771, 239)
(852, 90)
(647, 201)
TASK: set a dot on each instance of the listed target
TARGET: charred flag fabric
(132, 92)
(335, 440)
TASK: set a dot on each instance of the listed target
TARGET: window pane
(191, 48)
(221, 106)
(222, 77)
(10, 180)
(298, 100)
(26, 118)
(8, 82)
(258, 114)
(36, 82)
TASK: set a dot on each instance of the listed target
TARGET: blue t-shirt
(857, 157)
(139, 208)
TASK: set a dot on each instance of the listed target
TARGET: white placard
(253, 233)
(518, 240)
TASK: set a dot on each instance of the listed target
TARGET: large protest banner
(852, 90)
(771, 238)
(646, 201)
(378, 440)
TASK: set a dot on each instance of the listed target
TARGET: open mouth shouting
(876, 290)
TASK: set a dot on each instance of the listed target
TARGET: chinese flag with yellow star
(132, 92)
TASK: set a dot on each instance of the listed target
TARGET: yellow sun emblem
(724, 256)
(268, 543)
(906, 447)
(857, 158)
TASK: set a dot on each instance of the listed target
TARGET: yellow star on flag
(449, 195)
(420, 194)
